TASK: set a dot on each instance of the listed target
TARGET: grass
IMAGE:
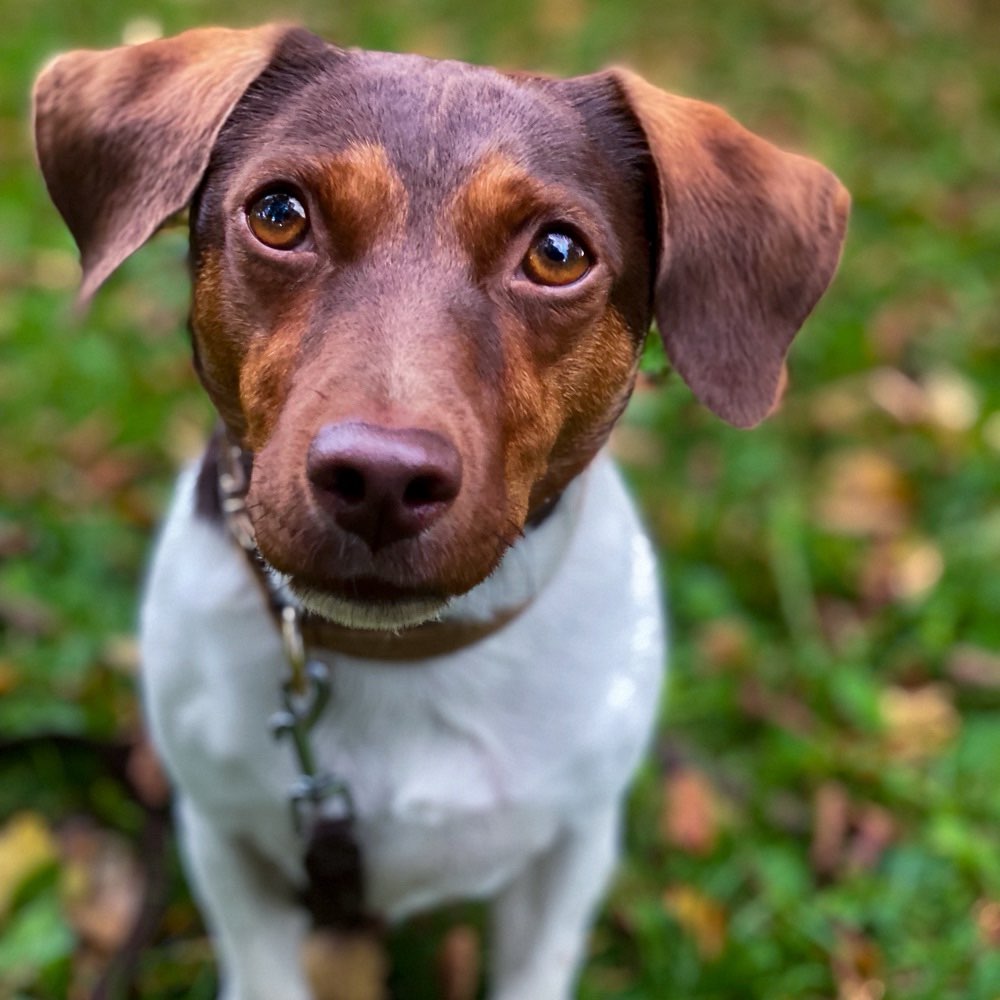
(818, 818)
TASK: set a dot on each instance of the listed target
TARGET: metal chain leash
(306, 687)
(305, 692)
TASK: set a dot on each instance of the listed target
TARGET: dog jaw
(368, 615)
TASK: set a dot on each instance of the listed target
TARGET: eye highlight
(556, 258)
(279, 220)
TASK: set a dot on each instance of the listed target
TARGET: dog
(420, 295)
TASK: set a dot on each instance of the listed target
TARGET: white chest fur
(462, 766)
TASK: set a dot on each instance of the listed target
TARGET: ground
(818, 818)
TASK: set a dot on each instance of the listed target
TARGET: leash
(322, 807)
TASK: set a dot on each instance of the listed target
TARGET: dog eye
(556, 258)
(278, 220)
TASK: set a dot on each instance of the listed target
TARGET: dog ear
(124, 135)
(749, 238)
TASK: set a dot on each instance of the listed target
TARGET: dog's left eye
(556, 258)
(278, 220)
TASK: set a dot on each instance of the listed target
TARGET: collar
(419, 642)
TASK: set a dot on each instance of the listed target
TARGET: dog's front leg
(541, 920)
(258, 925)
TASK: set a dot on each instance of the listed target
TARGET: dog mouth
(369, 604)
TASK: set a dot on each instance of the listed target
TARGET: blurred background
(819, 817)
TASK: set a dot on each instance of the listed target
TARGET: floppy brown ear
(750, 237)
(124, 135)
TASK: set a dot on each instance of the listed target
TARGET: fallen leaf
(987, 919)
(857, 967)
(689, 816)
(102, 885)
(973, 666)
(121, 653)
(147, 774)
(898, 395)
(724, 644)
(26, 846)
(863, 492)
(901, 569)
(703, 918)
(952, 401)
(919, 723)
(9, 677)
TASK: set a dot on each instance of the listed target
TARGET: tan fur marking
(247, 370)
(265, 380)
(218, 347)
(365, 196)
(559, 416)
(497, 198)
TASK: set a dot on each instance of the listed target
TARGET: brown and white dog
(420, 294)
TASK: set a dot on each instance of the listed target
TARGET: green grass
(826, 640)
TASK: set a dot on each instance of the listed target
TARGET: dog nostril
(423, 490)
(346, 483)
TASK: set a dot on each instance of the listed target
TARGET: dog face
(421, 288)
(460, 295)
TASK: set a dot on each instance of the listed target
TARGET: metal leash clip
(305, 693)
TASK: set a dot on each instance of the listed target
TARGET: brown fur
(364, 198)
(406, 307)
(751, 238)
(123, 137)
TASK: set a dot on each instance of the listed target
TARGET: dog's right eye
(278, 219)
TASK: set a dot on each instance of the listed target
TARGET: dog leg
(259, 927)
(541, 920)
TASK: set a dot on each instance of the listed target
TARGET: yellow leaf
(952, 401)
(703, 918)
(920, 722)
(26, 845)
(901, 569)
(862, 492)
(8, 677)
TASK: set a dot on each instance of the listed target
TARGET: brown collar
(419, 642)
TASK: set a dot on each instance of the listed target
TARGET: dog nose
(383, 484)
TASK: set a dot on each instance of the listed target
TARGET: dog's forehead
(435, 119)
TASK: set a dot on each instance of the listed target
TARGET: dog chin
(374, 616)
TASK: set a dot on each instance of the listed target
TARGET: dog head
(421, 288)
